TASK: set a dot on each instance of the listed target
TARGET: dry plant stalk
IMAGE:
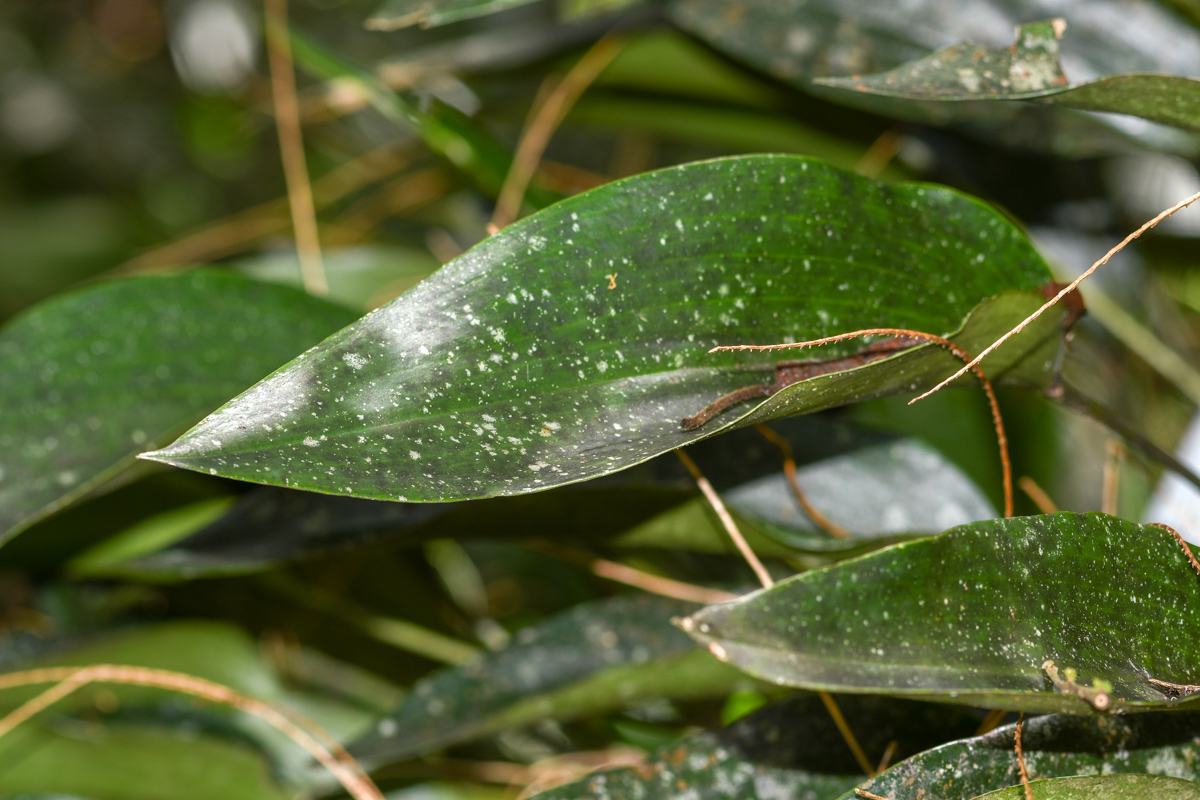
(621, 573)
(544, 119)
(301, 730)
(731, 527)
(291, 147)
(1070, 287)
(789, 470)
(997, 420)
(1021, 759)
(1182, 543)
(1038, 495)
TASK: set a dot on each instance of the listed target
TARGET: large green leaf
(971, 616)
(99, 374)
(590, 659)
(1103, 787)
(1056, 745)
(790, 749)
(1030, 70)
(516, 368)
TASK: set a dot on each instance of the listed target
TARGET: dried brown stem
(1112, 477)
(726, 520)
(1021, 759)
(869, 795)
(1186, 550)
(1070, 287)
(991, 721)
(544, 120)
(620, 573)
(1001, 438)
(887, 756)
(301, 730)
(836, 713)
(879, 154)
(291, 147)
(789, 469)
(1185, 689)
(1038, 495)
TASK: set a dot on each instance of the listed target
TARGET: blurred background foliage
(137, 137)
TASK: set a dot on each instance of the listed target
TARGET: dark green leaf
(130, 762)
(97, 375)
(791, 749)
(593, 658)
(798, 41)
(1029, 70)
(1104, 787)
(1164, 743)
(516, 368)
(972, 615)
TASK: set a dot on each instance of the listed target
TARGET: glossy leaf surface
(972, 615)
(788, 749)
(1056, 745)
(516, 367)
(95, 376)
(1103, 787)
(1030, 70)
(589, 659)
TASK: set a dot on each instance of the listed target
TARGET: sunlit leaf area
(599, 399)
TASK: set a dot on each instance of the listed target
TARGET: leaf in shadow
(1030, 70)
(516, 368)
(1056, 745)
(973, 615)
(97, 375)
(790, 749)
(592, 658)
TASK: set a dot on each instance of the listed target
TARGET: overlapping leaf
(1030, 70)
(97, 375)
(973, 615)
(571, 344)
(788, 749)
(1160, 743)
(590, 659)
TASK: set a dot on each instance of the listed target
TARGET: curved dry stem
(1182, 543)
(731, 527)
(1070, 287)
(301, 730)
(789, 469)
(973, 365)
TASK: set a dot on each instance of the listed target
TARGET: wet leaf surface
(592, 658)
(789, 749)
(516, 368)
(1030, 70)
(972, 615)
(1160, 743)
(95, 376)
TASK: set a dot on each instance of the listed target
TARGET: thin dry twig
(997, 420)
(1021, 759)
(879, 154)
(789, 469)
(991, 721)
(1070, 287)
(1112, 477)
(869, 795)
(1187, 550)
(836, 713)
(1185, 689)
(543, 121)
(301, 730)
(291, 147)
(731, 527)
(621, 573)
(887, 756)
(1038, 495)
